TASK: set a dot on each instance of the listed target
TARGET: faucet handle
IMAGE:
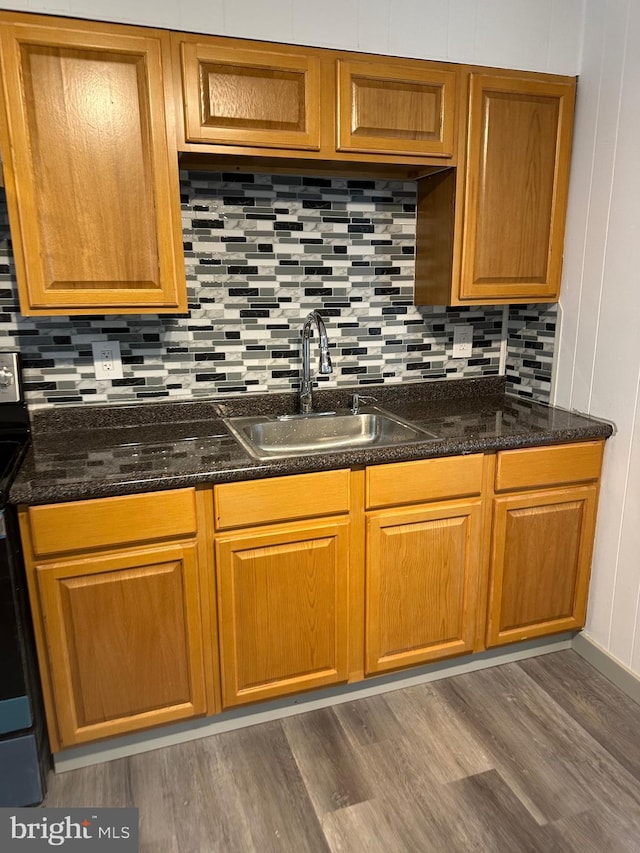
(357, 399)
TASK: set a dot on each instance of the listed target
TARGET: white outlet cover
(463, 341)
(107, 360)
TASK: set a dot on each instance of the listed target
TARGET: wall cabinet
(116, 593)
(93, 117)
(90, 165)
(245, 94)
(423, 562)
(253, 98)
(543, 527)
(517, 178)
(494, 232)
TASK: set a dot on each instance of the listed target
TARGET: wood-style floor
(541, 755)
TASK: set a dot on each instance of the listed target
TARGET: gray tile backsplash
(262, 251)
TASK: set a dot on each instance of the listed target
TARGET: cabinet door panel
(92, 190)
(124, 641)
(423, 570)
(283, 609)
(516, 192)
(396, 109)
(541, 561)
(242, 96)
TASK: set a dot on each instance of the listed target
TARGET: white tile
(463, 28)
(201, 16)
(514, 33)
(256, 19)
(331, 23)
(373, 25)
(419, 28)
(565, 38)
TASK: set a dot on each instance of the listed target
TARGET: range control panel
(10, 391)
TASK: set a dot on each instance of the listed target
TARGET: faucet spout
(306, 385)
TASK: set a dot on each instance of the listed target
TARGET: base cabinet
(153, 608)
(283, 598)
(117, 589)
(124, 639)
(423, 573)
(541, 563)
(542, 540)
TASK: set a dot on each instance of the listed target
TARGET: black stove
(24, 753)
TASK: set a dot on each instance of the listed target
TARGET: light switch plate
(462, 341)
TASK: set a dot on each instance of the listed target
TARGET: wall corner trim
(609, 666)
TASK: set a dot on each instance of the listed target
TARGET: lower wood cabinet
(124, 640)
(283, 605)
(118, 598)
(423, 574)
(154, 608)
(542, 540)
(424, 560)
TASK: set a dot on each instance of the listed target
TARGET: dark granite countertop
(90, 452)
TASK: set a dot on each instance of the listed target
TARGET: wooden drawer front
(281, 499)
(423, 481)
(82, 525)
(548, 466)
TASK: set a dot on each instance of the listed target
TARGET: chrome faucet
(306, 402)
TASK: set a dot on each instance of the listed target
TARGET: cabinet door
(396, 108)
(516, 188)
(540, 563)
(124, 641)
(423, 571)
(248, 95)
(92, 186)
(283, 609)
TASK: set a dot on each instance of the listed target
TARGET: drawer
(105, 522)
(281, 499)
(548, 466)
(424, 480)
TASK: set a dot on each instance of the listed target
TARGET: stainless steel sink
(270, 437)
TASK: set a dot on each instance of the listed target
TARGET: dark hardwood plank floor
(541, 755)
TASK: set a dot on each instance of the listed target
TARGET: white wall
(599, 364)
(540, 35)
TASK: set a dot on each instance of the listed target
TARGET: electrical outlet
(107, 361)
(462, 341)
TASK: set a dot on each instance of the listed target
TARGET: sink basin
(269, 437)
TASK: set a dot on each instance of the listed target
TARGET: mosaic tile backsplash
(262, 251)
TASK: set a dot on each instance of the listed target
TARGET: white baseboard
(613, 669)
(83, 756)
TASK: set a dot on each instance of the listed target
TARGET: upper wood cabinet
(492, 231)
(395, 108)
(276, 100)
(248, 95)
(90, 167)
(517, 174)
